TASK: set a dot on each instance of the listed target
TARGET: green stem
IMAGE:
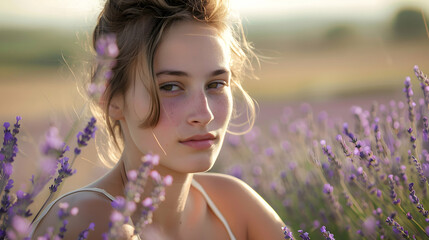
(412, 220)
(43, 206)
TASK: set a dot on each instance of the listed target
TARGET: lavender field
(339, 163)
(340, 146)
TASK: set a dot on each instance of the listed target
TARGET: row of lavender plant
(365, 179)
(55, 167)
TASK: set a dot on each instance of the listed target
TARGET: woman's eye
(216, 85)
(169, 87)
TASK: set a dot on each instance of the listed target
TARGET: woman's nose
(199, 110)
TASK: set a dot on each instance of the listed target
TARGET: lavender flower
(424, 83)
(393, 195)
(423, 179)
(107, 51)
(411, 104)
(331, 156)
(53, 145)
(344, 147)
(378, 138)
(409, 216)
(328, 190)
(415, 200)
(349, 134)
(425, 129)
(303, 235)
(86, 135)
(84, 234)
(58, 232)
(124, 207)
(288, 234)
(63, 172)
(20, 228)
(397, 228)
(106, 46)
(150, 204)
(326, 234)
(63, 229)
(412, 139)
(8, 151)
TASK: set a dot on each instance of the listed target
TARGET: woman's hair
(139, 26)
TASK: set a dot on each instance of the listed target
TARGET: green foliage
(408, 24)
(339, 34)
(44, 48)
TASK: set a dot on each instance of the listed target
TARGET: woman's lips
(200, 142)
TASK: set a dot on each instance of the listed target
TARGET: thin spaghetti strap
(102, 191)
(50, 205)
(214, 208)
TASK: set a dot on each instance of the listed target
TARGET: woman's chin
(195, 165)
(199, 166)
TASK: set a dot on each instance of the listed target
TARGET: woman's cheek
(170, 107)
(223, 108)
(138, 102)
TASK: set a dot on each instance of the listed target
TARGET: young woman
(171, 94)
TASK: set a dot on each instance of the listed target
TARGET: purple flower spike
(416, 68)
(409, 216)
(393, 195)
(415, 200)
(326, 234)
(409, 93)
(327, 150)
(86, 135)
(8, 152)
(397, 228)
(288, 234)
(134, 189)
(21, 228)
(118, 203)
(425, 129)
(328, 189)
(349, 134)
(63, 172)
(303, 235)
(106, 46)
(84, 234)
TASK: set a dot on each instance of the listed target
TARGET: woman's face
(192, 67)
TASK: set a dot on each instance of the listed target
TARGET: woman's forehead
(187, 43)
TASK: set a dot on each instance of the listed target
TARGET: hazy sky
(79, 13)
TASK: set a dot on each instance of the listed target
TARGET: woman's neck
(171, 213)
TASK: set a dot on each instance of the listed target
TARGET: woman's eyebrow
(172, 73)
(220, 72)
(184, 74)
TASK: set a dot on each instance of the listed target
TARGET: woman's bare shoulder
(240, 204)
(93, 207)
(212, 181)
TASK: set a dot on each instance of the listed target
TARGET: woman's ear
(116, 107)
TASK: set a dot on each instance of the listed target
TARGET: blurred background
(331, 54)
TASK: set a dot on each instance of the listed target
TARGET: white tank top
(195, 184)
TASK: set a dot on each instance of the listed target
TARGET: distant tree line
(409, 23)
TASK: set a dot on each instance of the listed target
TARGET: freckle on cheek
(168, 109)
